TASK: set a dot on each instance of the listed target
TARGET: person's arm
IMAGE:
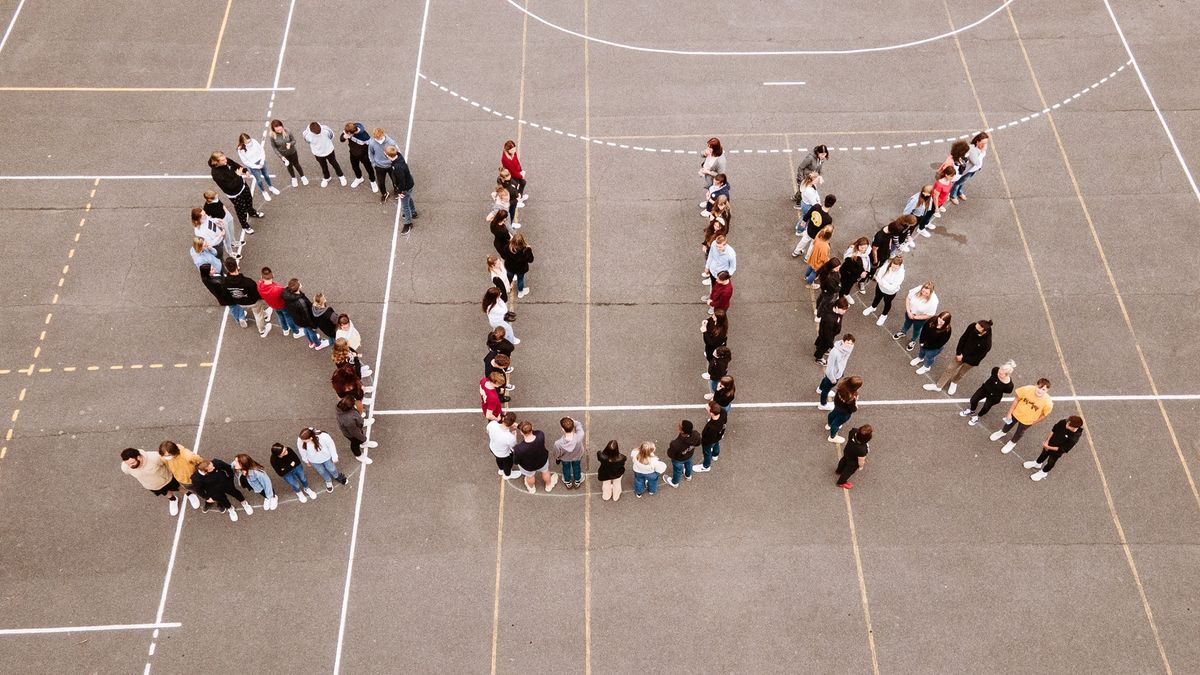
(732, 260)
(862, 461)
(1046, 443)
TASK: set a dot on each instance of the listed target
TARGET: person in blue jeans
(288, 465)
(845, 404)
(568, 451)
(318, 451)
(711, 435)
(919, 306)
(933, 339)
(403, 181)
(680, 452)
(647, 467)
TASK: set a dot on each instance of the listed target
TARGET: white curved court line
(791, 52)
(770, 151)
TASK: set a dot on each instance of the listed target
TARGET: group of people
(926, 327)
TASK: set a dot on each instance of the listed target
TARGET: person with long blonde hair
(647, 467)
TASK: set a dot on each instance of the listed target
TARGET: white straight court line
(161, 176)
(782, 84)
(143, 90)
(90, 629)
(783, 404)
(4, 40)
(1153, 103)
(387, 297)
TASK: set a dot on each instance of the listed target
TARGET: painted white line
(387, 297)
(859, 148)
(287, 30)
(163, 176)
(90, 629)
(13, 22)
(142, 90)
(776, 404)
(798, 52)
(1153, 103)
(783, 84)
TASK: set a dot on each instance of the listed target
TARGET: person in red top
(941, 191)
(721, 294)
(489, 394)
(510, 161)
(272, 294)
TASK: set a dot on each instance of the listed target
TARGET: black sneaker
(910, 346)
(406, 229)
(342, 479)
(222, 509)
(383, 197)
(415, 214)
(205, 507)
(247, 230)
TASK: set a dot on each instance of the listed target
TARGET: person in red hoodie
(272, 294)
(721, 294)
(510, 161)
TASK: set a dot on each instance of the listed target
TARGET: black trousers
(381, 176)
(223, 501)
(846, 468)
(505, 464)
(326, 161)
(359, 162)
(355, 447)
(293, 166)
(887, 300)
(987, 404)
(520, 185)
(1048, 459)
(823, 344)
(243, 206)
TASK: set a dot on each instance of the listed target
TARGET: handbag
(510, 316)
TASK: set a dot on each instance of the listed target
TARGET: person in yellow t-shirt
(182, 463)
(1032, 404)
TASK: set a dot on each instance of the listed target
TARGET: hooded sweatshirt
(213, 284)
(253, 156)
(242, 289)
(357, 141)
(838, 357)
(889, 279)
(271, 293)
(320, 449)
(569, 448)
(227, 178)
(325, 319)
(321, 144)
(351, 423)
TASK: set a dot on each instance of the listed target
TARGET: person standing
(719, 187)
(1061, 440)
(510, 161)
(973, 345)
(203, 254)
(497, 313)
(324, 317)
(818, 255)
(380, 161)
(212, 232)
(807, 197)
(220, 219)
(990, 392)
(934, 337)
(182, 464)
(886, 242)
(831, 325)
(317, 450)
(285, 146)
(1032, 404)
(356, 138)
(489, 395)
(721, 258)
(272, 294)
(532, 458)
(320, 142)
(835, 367)
(715, 331)
(153, 474)
(245, 294)
(713, 162)
(920, 304)
(813, 162)
(502, 438)
(721, 294)
(888, 280)
(647, 467)
(299, 308)
(290, 468)
(941, 191)
(920, 206)
(346, 331)
(976, 151)
(856, 268)
(845, 404)
(610, 470)
(814, 221)
(230, 177)
(212, 282)
(498, 274)
(214, 481)
(517, 262)
(718, 366)
(711, 435)
(680, 452)
(254, 158)
(402, 178)
(568, 451)
(723, 394)
(350, 422)
(854, 454)
(255, 479)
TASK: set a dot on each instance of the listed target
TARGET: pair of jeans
(326, 161)
(328, 471)
(835, 420)
(313, 337)
(957, 188)
(293, 164)
(917, 326)
(261, 177)
(407, 207)
(520, 282)
(681, 468)
(710, 450)
(296, 478)
(238, 313)
(826, 386)
(928, 355)
(286, 322)
(800, 224)
(810, 273)
(572, 470)
(643, 482)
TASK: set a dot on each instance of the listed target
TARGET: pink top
(941, 191)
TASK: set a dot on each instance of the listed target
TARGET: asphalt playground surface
(1078, 240)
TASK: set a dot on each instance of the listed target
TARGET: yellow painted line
(181, 365)
(3, 452)
(61, 281)
(496, 589)
(27, 371)
(1037, 280)
(45, 370)
(37, 351)
(206, 364)
(70, 369)
(82, 221)
(42, 336)
(71, 253)
(212, 69)
(5, 372)
(156, 365)
(48, 315)
(115, 367)
(77, 236)
(587, 343)
(807, 134)
(862, 583)
(136, 366)
(66, 268)
(8, 435)
(88, 207)
(96, 183)
(21, 396)
(15, 415)
(93, 367)
(93, 193)
(54, 300)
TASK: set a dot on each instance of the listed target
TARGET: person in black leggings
(990, 392)
(229, 176)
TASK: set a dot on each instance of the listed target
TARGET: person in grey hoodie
(838, 357)
(380, 160)
(350, 421)
(568, 451)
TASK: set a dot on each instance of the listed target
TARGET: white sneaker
(705, 375)
(342, 180)
(310, 493)
(324, 182)
(301, 498)
(523, 293)
(274, 190)
(824, 406)
(952, 388)
(515, 341)
(323, 345)
(932, 226)
(1039, 475)
(274, 502)
(668, 481)
(371, 444)
(298, 334)
(973, 421)
(700, 468)
(922, 370)
(355, 183)
(367, 423)
(849, 299)
(367, 401)
(706, 281)
(364, 459)
(881, 320)
(818, 390)
(997, 435)
(375, 188)
(708, 397)
(836, 439)
(266, 196)
(531, 489)
(232, 514)
(553, 482)
(296, 183)
(1008, 447)
(304, 180)
(369, 389)
(1032, 464)
(266, 505)
(963, 413)
(516, 225)
(924, 233)
(247, 508)
(173, 506)
(193, 500)
(932, 387)
(267, 330)
(914, 361)
(243, 323)
(367, 372)
(868, 311)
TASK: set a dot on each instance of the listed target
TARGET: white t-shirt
(920, 306)
(501, 439)
(975, 159)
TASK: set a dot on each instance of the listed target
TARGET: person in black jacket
(715, 330)
(350, 422)
(718, 366)
(244, 292)
(990, 392)
(213, 481)
(973, 346)
(610, 470)
(517, 258)
(324, 317)
(1062, 438)
(827, 332)
(299, 307)
(213, 283)
(854, 455)
(932, 344)
(288, 465)
(711, 435)
(845, 404)
(497, 341)
(681, 449)
(403, 180)
(230, 177)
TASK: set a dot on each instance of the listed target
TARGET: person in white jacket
(320, 141)
(496, 309)
(838, 357)
(647, 467)
(887, 284)
(254, 158)
(318, 451)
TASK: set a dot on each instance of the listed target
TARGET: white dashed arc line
(788, 52)
(769, 151)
